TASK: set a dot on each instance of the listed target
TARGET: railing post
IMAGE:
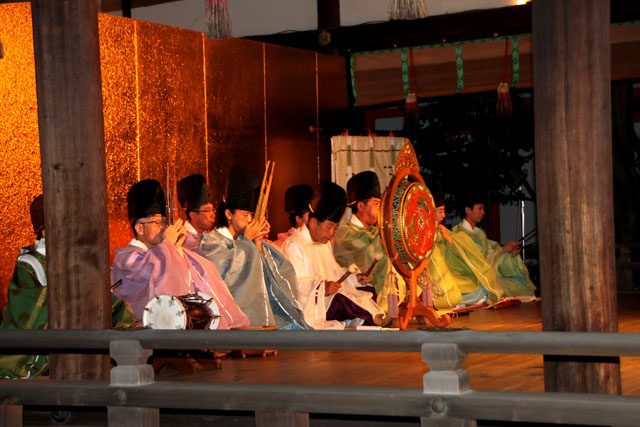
(10, 414)
(445, 376)
(131, 370)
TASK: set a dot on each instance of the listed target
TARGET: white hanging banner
(353, 154)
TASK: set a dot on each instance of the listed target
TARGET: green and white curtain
(353, 154)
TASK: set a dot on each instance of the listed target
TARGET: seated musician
(260, 279)
(327, 303)
(458, 272)
(193, 195)
(512, 274)
(358, 241)
(297, 200)
(27, 304)
(155, 262)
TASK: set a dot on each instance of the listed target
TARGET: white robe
(314, 264)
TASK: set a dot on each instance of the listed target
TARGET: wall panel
(119, 91)
(170, 101)
(291, 109)
(332, 103)
(235, 109)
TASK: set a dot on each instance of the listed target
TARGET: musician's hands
(331, 287)
(445, 233)
(256, 230)
(512, 247)
(363, 279)
(175, 233)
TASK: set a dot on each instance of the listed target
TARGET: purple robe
(163, 270)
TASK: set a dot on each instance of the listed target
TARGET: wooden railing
(134, 398)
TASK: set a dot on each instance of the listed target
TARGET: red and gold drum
(407, 221)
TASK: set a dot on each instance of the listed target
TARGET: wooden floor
(487, 371)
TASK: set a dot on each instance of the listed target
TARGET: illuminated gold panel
(118, 64)
(171, 101)
(20, 177)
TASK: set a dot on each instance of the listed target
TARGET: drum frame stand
(415, 307)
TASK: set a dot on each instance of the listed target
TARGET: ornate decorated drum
(192, 311)
(407, 220)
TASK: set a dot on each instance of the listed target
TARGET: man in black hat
(297, 203)
(193, 195)
(358, 241)
(511, 271)
(328, 304)
(260, 279)
(155, 263)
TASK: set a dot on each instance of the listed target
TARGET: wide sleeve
(307, 281)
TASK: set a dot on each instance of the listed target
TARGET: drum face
(164, 312)
(407, 221)
(193, 311)
(418, 223)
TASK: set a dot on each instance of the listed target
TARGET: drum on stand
(407, 226)
(192, 311)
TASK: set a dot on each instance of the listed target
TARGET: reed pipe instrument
(265, 189)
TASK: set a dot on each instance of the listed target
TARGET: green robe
(26, 308)
(460, 273)
(511, 271)
(358, 245)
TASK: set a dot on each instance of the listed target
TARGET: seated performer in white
(194, 197)
(328, 304)
(155, 262)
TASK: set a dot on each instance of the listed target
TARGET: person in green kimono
(26, 306)
(358, 241)
(458, 272)
(511, 271)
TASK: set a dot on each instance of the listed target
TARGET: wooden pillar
(572, 104)
(69, 91)
(328, 14)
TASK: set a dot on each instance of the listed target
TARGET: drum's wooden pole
(574, 177)
(69, 92)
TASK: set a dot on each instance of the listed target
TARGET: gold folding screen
(169, 96)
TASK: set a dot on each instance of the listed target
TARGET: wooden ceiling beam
(470, 25)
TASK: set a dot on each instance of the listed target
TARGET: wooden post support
(131, 370)
(328, 14)
(10, 414)
(445, 376)
(69, 92)
(572, 105)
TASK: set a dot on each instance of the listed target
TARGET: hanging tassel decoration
(411, 111)
(407, 9)
(392, 298)
(503, 106)
(217, 19)
(427, 295)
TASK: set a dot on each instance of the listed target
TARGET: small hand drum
(192, 311)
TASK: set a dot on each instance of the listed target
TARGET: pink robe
(162, 270)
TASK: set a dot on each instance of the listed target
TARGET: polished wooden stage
(487, 371)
